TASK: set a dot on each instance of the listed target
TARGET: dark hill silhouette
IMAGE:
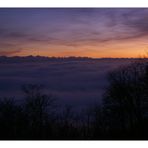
(43, 58)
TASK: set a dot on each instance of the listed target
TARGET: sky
(63, 32)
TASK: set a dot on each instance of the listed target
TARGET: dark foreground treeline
(122, 115)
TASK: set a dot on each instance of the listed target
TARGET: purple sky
(94, 32)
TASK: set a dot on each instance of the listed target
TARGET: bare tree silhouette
(39, 109)
(126, 97)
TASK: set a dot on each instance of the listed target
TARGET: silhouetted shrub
(12, 120)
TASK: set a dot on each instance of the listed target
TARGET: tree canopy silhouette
(126, 98)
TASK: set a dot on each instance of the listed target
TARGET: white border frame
(74, 3)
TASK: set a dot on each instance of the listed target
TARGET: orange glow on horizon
(133, 49)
